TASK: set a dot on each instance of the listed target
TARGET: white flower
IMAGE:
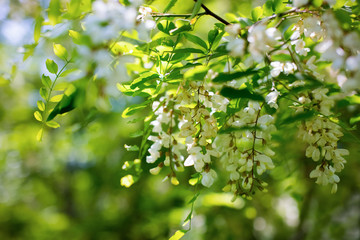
(261, 39)
(233, 29)
(279, 67)
(236, 47)
(208, 178)
(299, 3)
(271, 99)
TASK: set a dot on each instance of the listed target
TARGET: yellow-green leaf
(37, 30)
(52, 124)
(178, 234)
(60, 51)
(51, 66)
(61, 86)
(38, 116)
(39, 135)
(46, 81)
(41, 105)
(43, 93)
(56, 98)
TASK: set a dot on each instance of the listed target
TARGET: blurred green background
(68, 186)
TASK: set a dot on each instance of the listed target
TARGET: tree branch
(211, 13)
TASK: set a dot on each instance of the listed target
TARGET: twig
(155, 14)
(211, 13)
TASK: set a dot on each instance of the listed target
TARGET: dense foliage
(248, 111)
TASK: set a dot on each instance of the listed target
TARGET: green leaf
(317, 3)
(198, 73)
(281, 57)
(54, 11)
(60, 51)
(188, 50)
(196, 8)
(195, 39)
(344, 18)
(134, 108)
(43, 93)
(354, 120)
(170, 5)
(51, 66)
(212, 36)
(133, 148)
(178, 234)
(38, 116)
(184, 28)
(233, 93)
(166, 26)
(37, 29)
(80, 39)
(339, 4)
(56, 98)
(39, 135)
(67, 103)
(145, 77)
(46, 81)
(298, 117)
(256, 13)
(279, 6)
(53, 124)
(41, 105)
(67, 72)
(225, 77)
(267, 8)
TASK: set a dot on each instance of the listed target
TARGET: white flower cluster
(342, 48)
(109, 18)
(279, 67)
(236, 46)
(245, 154)
(192, 113)
(260, 40)
(199, 127)
(322, 136)
(165, 142)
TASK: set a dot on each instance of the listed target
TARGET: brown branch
(211, 13)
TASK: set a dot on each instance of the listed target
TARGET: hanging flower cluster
(186, 119)
(322, 136)
(245, 154)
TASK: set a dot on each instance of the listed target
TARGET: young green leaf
(52, 124)
(39, 135)
(178, 234)
(196, 8)
(170, 5)
(41, 105)
(51, 66)
(37, 30)
(60, 51)
(56, 98)
(225, 77)
(195, 39)
(43, 93)
(38, 116)
(240, 93)
(46, 81)
(256, 13)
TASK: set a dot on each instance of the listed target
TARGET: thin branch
(211, 13)
(165, 15)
